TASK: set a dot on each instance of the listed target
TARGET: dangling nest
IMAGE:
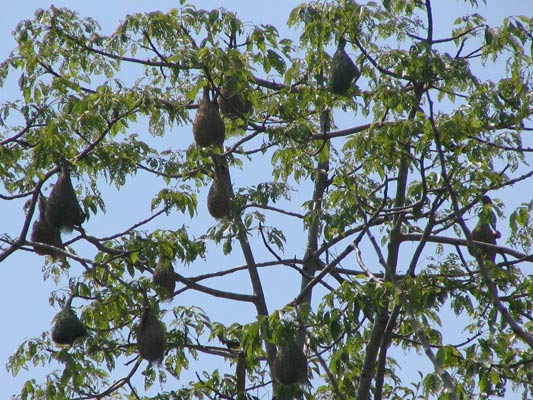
(290, 365)
(67, 327)
(233, 104)
(343, 70)
(62, 209)
(483, 232)
(221, 191)
(43, 232)
(151, 337)
(163, 278)
(208, 127)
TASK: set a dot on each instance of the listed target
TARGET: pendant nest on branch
(151, 337)
(343, 70)
(62, 209)
(67, 327)
(208, 127)
(233, 104)
(163, 278)
(221, 191)
(43, 232)
(485, 231)
(290, 365)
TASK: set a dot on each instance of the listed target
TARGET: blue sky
(23, 293)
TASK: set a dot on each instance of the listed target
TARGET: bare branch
(190, 283)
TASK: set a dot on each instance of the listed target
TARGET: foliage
(383, 181)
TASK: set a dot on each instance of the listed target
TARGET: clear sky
(23, 293)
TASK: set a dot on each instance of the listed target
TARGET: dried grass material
(163, 278)
(290, 365)
(43, 232)
(62, 209)
(67, 327)
(233, 104)
(151, 337)
(221, 191)
(343, 70)
(208, 127)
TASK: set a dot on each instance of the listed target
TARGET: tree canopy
(362, 191)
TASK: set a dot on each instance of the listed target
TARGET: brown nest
(67, 327)
(232, 104)
(62, 209)
(208, 127)
(151, 337)
(43, 232)
(290, 365)
(343, 70)
(221, 191)
(163, 278)
(485, 231)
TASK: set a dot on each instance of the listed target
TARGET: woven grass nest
(151, 337)
(208, 127)
(233, 104)
(62, 208)
(221, 191)
(290, 365)
(485, 231)
(343, 70)
(163, 278)
(45, 233)
(67, 327)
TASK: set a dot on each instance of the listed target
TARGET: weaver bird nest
(62, 208)
(208, 127)
(67, 327)
(290, 365)
(343, 70)
(163, 278)
(43, 232)
(485, 231)
(151, 337)
(233, 104)
(221, 191)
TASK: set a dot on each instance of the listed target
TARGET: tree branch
(214, 292)
(415, 237)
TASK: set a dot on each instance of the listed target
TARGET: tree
(398, 155)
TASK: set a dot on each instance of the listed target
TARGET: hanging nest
(221, 191)
(208, 127)
(62, 209)
(232, 104)
(67, 327)
(485, 231)
(290, 365)
(163, 278)
(43, 232)
(151, 337)
(343, 70)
